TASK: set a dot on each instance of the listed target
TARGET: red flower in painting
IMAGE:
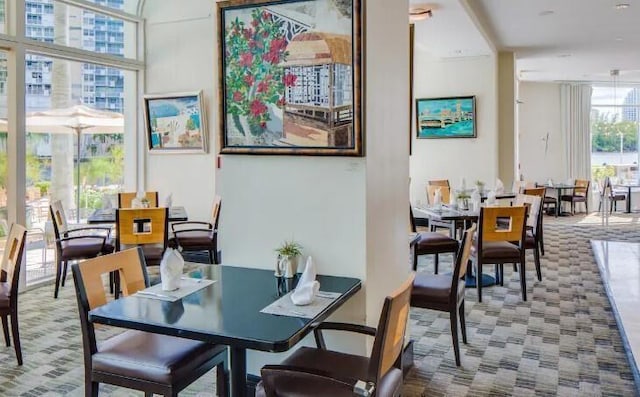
(237, 96)
(266, 15)
(263, 124)
(246, 60)
(278, 45)
(271, 57)
(258, 108)
(263, 86)
(248, 79)
(281, 102)
(289, 80)
(255, 23)
(247, 33)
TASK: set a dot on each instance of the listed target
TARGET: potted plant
(463, 200)
(480, 186)
(145, 202)
(288, 256)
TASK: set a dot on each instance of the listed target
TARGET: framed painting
(175, 123)
(290, 77)
(453, 117)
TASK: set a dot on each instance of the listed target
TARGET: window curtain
(575, 103)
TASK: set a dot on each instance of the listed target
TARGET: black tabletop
(226, 312)
(176, 214)
(447, 214)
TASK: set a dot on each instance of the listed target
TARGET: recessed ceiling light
(618, 38)
(546, 13)
(622, 6)
(564, 55)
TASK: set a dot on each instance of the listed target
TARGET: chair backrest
(137, 226)
(439, 182)
(463, 256)
(445, 193)
(582, 187)
(90, 288)
(492, 230)
(125, 199)
(215, 212)
(518, 186)
(534, 206)
(392, 326)
(60, 225)
(607, 187)
(12, 257)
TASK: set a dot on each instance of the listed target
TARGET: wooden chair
(532, 238)
(144, 227)
(540, 192)
(494, 243)
(74, 243)
(318, 371)
(9, 281)
(125, 199)
(580, 195)
(431, 243)
(612, 195)
(199, 236)
(446, 292)
(134, 359)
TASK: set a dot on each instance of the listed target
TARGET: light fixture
(419, 13)
(622, 6)
(546, 13)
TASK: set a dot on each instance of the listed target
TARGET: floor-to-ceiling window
(75, 99)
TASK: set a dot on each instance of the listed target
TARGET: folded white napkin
(171, 267)
(499, 186)
(168, 201)
(491, 198)
(307, 287)
(476, 199)
(437, 197)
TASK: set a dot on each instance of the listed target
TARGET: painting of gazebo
(290, 77)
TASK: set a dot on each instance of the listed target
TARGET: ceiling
(554, 40)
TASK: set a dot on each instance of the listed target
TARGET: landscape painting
(290, 77)
(175, 123)
(453, 117)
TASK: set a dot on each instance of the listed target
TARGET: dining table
(559, 188)
(628, 186)
(229, 312)
(103, 216)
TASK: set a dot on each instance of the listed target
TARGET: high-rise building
(631, 110)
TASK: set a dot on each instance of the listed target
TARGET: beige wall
(506, 117)
(350, 214)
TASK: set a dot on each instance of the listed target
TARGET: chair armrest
(85, 228)
(299, 381)
(174, 224)
(360, 329)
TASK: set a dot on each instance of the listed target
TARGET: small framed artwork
(451, 117)
(175, 123)
(290, 77)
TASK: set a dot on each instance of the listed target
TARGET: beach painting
(175, 123)
(289, 77)
(453, 117)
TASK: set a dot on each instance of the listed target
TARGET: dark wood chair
(318, 371)
(494, 243)
(532, 238)
(446, 292)
(431, 243)
(9, 281)
(199, 236)
(75, 242)
(579, 195)
(125, 199)
(134, 359)
(144, 227)
(540, 192)
(612, 195)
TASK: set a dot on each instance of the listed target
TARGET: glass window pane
(4, 225)
(55, 22)
(3, 13)
(79, 163)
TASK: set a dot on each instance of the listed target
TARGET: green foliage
(606, 132)
(44, 187)
(289, 249)
(600, 172)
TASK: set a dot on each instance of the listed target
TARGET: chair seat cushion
(152, 254)
(86, 247)
(342, 365)
(429, 289)
(550, 200)
(433, 242)
(530, 240)
(194, 239)
(153, 357)
(575, 197)
(5, 294)
(499, 251)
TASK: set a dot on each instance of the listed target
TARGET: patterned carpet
(562, 341)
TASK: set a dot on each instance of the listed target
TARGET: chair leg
(91, 388)
(463, 322)
(211, 257)
(58, 275)
(600, 205)
(573, 208)
(15, 334)
(435, 264)
(586, 206)
(523, 281)
(148, 394)
(222, 380)
(454, 334)
(536, 257)
(64, 273)
(5, 328)
(479, 280)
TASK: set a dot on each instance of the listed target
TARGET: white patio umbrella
(79, 119)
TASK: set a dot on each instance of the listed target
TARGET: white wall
(350, 214)
(453, 159)
(539, 114)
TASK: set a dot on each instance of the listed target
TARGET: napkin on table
(437, 197)
(491, 198)
(171, 267)
(499, 186)
(168, 201)
(307, 287)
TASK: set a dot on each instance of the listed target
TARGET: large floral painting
(290, 77)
